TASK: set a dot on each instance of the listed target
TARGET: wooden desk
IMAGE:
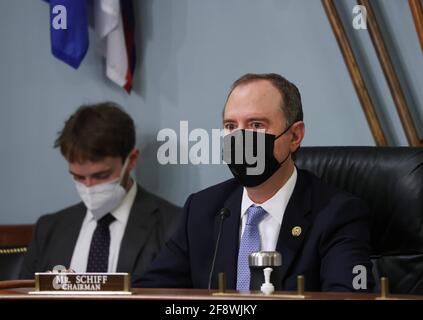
(18, 290)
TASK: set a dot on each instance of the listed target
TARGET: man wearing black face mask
(321, 233)
(250, 156)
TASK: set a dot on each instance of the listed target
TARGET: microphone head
(224, 212)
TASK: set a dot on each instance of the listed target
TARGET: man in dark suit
(321, 233)
(119, 226)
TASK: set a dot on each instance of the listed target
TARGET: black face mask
(249, 155)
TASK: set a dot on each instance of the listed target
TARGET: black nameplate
(81, 283)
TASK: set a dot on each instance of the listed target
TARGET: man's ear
(297, 131)
(133, 158)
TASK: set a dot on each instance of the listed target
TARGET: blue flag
(69, 30)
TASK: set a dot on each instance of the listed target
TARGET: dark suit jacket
(333, 240)
(151, 222)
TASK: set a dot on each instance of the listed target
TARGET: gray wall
(189, 52)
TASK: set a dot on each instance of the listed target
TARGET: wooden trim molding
(391, 77)
(11, 284)
(355, 73)
(15, 235)
(417, 12)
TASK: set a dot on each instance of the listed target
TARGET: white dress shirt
(270, 226)
(117, 229)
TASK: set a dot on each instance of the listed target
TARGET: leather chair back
(390, 181)
(14, 241)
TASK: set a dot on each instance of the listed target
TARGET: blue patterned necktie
(250, 242)
(98, 258)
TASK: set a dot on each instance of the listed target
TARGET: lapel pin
(296, 231)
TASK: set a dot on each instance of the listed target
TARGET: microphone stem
(222, 217)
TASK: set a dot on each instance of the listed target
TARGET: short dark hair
(95, 132)
(291, 97)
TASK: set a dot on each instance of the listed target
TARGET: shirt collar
(121, 213)
(277, 204)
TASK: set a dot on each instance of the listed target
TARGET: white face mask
(103, 198)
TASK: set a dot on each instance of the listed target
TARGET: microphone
(223, 213)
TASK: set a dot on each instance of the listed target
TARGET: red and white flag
(114, 25)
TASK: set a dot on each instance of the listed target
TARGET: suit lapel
(291, 237)
(140, 224)
(226, 260)
(69, 232)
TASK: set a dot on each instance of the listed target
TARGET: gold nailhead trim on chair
(13, 250)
